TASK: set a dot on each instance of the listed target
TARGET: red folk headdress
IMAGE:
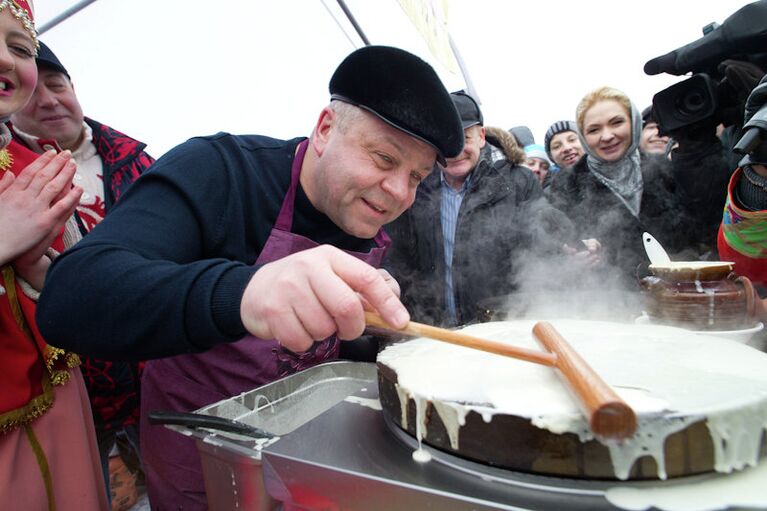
(22, 11)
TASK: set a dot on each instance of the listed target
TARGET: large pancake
(701, 401)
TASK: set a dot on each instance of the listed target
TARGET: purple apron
(188, 382)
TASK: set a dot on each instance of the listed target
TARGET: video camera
(686, 103)
(710, 94)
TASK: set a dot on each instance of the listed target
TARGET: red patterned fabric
(114, 386)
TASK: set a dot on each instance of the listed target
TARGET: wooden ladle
(608, 415)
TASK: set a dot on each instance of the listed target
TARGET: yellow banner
(430, 19)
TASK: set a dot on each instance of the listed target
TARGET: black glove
(739, 80)
(757, 98)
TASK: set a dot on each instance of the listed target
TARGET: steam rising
(563, 287)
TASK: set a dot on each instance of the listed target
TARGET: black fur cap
(404, 91)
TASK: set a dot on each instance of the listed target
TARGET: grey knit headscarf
(623, 177)
(5, 136)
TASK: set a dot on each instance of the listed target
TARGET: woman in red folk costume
(48, 452)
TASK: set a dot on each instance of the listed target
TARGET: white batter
(692, 265)
(658, 370)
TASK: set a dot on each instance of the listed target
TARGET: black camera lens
(692, 102)
(685, 103)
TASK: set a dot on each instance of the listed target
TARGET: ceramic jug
(699, 296)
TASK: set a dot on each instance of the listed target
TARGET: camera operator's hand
(696, 136)
(739, 80)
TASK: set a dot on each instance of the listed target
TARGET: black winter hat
(46, 59)
(403, 91)
(468, 109)
(557, 127)
(648, 115)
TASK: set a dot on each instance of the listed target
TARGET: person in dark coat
(471, 224)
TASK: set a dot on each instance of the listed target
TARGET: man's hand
(310, 295)
(590, 257)
(34, 207)
(390, 281)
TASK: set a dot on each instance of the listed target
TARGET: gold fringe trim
(6, 160)
(42, 462)
(57, 363)
(23, 415)
(9, 281)
(53, 355)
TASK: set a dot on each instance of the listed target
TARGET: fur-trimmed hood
(506, 142)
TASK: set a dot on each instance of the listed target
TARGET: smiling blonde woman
(612, 196)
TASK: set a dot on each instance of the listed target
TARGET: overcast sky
(165, 70)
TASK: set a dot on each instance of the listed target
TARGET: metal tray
(231, 462)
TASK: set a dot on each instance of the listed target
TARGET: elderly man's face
(458, 168)
(53, 112)
(366, 173)
(566, 148)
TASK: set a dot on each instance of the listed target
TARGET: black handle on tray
(197, 420)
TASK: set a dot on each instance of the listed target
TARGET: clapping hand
(33, 209)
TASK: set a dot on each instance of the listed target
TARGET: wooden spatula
(442, 334)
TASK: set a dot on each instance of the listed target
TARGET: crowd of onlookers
(566, 216)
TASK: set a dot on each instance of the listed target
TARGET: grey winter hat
(557, 127)
(403, 91)
(523, 134)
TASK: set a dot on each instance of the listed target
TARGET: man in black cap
(651, 141)
(492, 215)
(107, 163)
(270, 243)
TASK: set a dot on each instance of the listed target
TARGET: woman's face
(566, 148)
(18, 70)
(607, 129)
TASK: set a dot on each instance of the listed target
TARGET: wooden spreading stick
(461, 339)
(609, 416)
